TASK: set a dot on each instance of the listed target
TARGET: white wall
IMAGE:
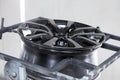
(9, 9)
(10, 44)
(103, 13)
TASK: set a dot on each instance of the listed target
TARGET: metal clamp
(15, 71)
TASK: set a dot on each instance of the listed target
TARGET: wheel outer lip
(60, 49)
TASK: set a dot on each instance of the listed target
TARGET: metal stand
(15, 69)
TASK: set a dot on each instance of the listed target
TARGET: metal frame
(15, 68)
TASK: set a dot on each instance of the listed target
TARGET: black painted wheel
(61, 34)
(47, 42)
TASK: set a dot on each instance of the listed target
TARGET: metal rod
(30, 66)
(92, 74)
(2, 23)
(1, 27)
(113, 36)
(109, 61)
(22, 73)
(110, 47)
(39, 69)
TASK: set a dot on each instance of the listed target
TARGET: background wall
(10, 44)
(103, 13)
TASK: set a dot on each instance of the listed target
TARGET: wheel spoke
(77, 45)
(40, 30)
(88, 34)
(51, 42)
(41, 25)
(52, 22)
(69, 24)
(35, 36)
(84, 29)
(34, 29)
(88, 40)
